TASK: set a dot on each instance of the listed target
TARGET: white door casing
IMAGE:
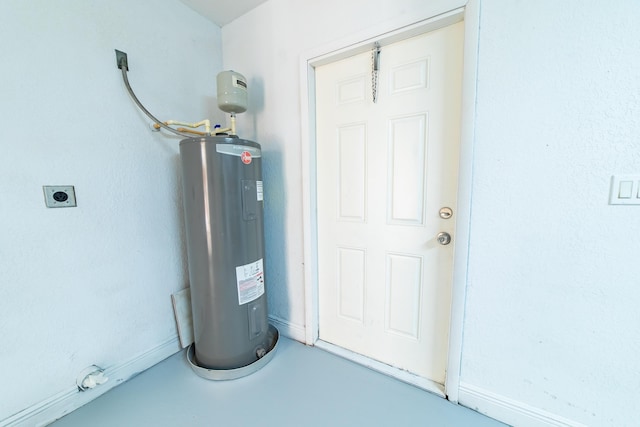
(384, 171)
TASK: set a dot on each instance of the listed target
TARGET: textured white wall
(551, 310)
(552, 316)
(92, 284)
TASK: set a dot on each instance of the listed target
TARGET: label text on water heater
(245, 157)
(250, 280)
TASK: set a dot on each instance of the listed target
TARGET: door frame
(470, 14)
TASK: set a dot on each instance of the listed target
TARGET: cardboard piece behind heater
(181, 301)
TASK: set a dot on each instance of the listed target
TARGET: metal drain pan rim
(232, 374)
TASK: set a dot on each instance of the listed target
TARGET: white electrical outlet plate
(59, 196)
(181, 301)
(625, 190)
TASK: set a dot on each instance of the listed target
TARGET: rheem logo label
(245, 157)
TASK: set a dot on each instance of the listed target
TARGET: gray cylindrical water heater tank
(223, 198)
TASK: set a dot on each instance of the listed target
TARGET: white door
(384, 171)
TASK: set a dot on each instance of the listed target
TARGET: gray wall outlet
(59, 196)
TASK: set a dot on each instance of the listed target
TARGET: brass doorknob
(445, 213)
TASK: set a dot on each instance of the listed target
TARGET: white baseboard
(59, 405)
(288, 329)
(508, 410)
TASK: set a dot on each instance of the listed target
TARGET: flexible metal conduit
(144, 110)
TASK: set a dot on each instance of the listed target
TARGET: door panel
(406, 170)
(403, 289)
(384, 170)
(352, 172)
(351, 265)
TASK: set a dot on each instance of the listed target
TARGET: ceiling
(221, 12)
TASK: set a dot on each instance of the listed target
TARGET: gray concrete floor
(301, 386)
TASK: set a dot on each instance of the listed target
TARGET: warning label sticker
(250, 279)
(259, 191)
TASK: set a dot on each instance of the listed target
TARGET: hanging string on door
(375, 68)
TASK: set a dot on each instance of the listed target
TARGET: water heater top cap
(232, 92)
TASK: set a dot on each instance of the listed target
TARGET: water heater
(223, 198)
